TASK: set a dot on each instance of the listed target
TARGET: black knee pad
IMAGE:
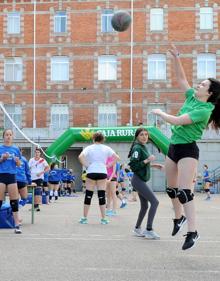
(185, 195)
(14, 205)
(117, 192)
(172, 192)
(0, 203)
(88, 197)
(101, 196)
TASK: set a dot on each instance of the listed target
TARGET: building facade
(62, 64)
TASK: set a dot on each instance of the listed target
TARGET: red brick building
(62, 64)
(83, 73)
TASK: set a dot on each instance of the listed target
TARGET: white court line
(118, 269)
(97, 238)
(217, 208)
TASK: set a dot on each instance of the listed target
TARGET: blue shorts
(7, 178)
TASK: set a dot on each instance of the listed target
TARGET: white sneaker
(150, 234)
(138, 232)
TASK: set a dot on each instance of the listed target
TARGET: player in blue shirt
(70, 182)
(206, 182)
(23, 177)
(45, 186)
(10, 158)
(54, 178)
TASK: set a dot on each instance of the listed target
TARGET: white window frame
(107, 115)
(59, 112)
(156, 19)
(15, 112)
(155, 64)
(59, 17)
(106, 17)
(153, 119)
(14, 23)
(205, 62)
(206, 18)
(13, 69)
(60, 68)
(107, 67)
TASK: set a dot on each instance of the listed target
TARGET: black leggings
(146, 195)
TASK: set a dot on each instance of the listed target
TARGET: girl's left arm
(174, 120)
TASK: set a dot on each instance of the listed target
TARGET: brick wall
(83, 43)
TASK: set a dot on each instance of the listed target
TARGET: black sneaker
(37, 209)
(178, 225)
(191, 238)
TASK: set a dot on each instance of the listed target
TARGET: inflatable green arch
(114, 134)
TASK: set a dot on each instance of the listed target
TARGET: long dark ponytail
(214, 98)
(138, 131)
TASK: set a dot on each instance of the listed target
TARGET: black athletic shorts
(54, 182)
(180, 151)
(96, 176)
(114, 179)
(45, 184)
(7, 178)
(21, 184)
(39, 182)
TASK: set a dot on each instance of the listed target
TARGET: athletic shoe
(37, 209)
(123, 204)
(190, 240)
(113, 213)
(108, 213)
(104, 221)
(150, 234)
(208, 198)
(178, 225)
(83, 220)
(17, 229)
(138, 232)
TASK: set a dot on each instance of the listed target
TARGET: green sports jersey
(138, 154)
(199, 112)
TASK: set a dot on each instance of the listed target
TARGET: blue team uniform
(206, 176)
(23, 171)
(54, 175)
(46, 175)
(9, 166)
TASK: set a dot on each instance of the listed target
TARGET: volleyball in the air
(121, 21)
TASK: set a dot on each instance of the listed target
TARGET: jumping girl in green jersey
(201, 107)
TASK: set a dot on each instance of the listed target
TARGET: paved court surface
(58, 248)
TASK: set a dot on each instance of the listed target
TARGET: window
(13, 70)
(153, 119)
(15, 112)
(59, 116)
(156, 19)
(106, 21)
(157, 67)
(13, 24)
(107, 115)
(206, 18)
(60, 20)
(107, 68)
(206, 66)
(59, 68)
